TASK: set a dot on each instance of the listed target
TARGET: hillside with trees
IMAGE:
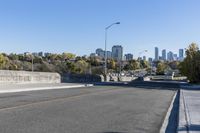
(66, 63)
(190, 67)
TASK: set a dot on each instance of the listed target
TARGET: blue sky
(77, 26)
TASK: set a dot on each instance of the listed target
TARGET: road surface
(85, 110)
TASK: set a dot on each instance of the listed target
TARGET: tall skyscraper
(164, 55)
(156, 54)
(117, 52)
(170, 56)
(181, 54)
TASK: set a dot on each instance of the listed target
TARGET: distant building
(93, 55)
(40, 54)
(181, 54)
(35, 54)
(85, 56)
(175, 57)
(128, 56)
(117, 52)
(164, 55)
(26, 53)
(150, 60)
(144, 58)
(170, 56)
(109, 54)
(156, 54)
(124, 58)
(139, 58)
(47, 54)
(100, 52)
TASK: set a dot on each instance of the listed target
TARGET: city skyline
(78, 26)
(162, 54)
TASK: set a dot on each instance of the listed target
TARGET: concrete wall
(7, 76)
(122, 78)
(161, 77)
(81, 78)
(127, 78)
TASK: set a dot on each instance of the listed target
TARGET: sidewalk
(9, 88)
(189, 111)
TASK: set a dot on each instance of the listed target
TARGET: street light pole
(105, 67)
(106, 30)
(32, 62)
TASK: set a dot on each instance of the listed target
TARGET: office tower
(100, 52)
(117, 52)
(128, 56)
(164, 55)
(170, 56)
(156, 54)
(181, 54)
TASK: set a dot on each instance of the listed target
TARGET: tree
(112, 64)
(161, 66)
(144, 64)
(174, 65)
(38, 59)
(190, 66)
(68, 56)
(71, 67)
(82, 66)
(13, 57)
(132, 65)
(94, 61)
(3, 61)
(53, 57)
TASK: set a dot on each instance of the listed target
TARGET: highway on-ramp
(102, 109)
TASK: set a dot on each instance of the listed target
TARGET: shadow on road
(192, 127)
(173, 118)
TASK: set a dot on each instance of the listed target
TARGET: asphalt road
(85, 110)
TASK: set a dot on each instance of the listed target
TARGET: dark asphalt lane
(85, 110)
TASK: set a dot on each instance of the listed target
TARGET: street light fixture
(142, 52)
(106, 29)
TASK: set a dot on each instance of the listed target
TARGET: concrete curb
(166, 120)
(195, 87)
(183, 120)
(44, 88)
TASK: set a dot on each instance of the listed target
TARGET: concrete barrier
(7, 76)
(161, 77)
(159, 84)
(81, 78)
